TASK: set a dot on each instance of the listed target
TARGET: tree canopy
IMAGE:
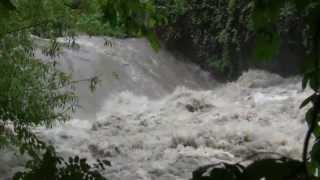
(34, 92)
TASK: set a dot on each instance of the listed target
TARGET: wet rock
(96, 151)
(190, 108)
(65, 136)
(197, 105)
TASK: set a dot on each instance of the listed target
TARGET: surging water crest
(149, 134)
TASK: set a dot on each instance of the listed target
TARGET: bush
(53, 167)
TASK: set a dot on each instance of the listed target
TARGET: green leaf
(307, 101)
(309, 118)
(315, 154)
(312, 168)
(154, 42)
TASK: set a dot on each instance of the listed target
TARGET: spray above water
(161, 118)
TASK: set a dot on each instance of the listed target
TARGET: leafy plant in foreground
(33, 92)
(267, 169)
(53, 167)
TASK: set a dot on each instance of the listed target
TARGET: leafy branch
(26, 27)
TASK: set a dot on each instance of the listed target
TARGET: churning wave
(167, 137)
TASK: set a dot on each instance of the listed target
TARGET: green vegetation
(34, 92)
(53, 167)
(218, 32)
(221, 36)
(223, 33)
(266, 15)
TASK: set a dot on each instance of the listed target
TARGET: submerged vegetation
(223, 35)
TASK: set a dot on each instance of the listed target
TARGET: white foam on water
(161, 139)
(168, 137)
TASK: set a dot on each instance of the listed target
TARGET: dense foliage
(220, 36)
(34, 92)
(223, 34)
(215, 32)
(53, 167)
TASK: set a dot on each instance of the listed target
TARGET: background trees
(33, 92)
(223, 34)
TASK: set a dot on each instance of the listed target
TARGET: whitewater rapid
(161, 139)
(167, 136)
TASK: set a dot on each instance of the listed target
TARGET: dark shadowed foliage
(266, 169)
(54, 167)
